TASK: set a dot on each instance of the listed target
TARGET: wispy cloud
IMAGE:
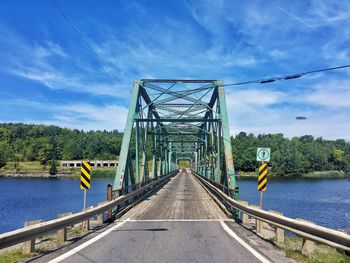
(294, 17)
(77, 116)
(49, 64)
(333, 94)
(232, 41)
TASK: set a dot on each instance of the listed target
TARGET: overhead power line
(82, 39)
(286, 77)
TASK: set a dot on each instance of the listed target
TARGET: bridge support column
(218, 154)
(160, 167)
(231, 179)
(110, 198)
(170, 159)
(123, 158)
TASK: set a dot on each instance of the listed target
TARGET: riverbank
(37, 170)
(35, 174)
(103, 173)
(311, 175)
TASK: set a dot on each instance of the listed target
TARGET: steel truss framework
(173, 120)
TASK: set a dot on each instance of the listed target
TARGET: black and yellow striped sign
(262, 179)
(85, 175)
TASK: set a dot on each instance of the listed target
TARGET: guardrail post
(109, 198)
(29, 246)
(86, 224)
(100, 216)
(244, 216)
(308, 246)
(62, 234)
(279, 234)
(340, 250)
(258, 223)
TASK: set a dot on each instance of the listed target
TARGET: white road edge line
(87, 243)
(244, 244)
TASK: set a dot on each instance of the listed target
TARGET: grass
(37, 167)
(25, 167)
(318, 257)
(48, 243)
(326, 174)
(322, 254)
(13, 256)
(316, 175)
(103, 173)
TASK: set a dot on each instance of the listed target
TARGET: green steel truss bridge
(156, 213)
(174, 120)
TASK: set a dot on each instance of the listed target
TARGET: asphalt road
(170, 241)
(179, 223)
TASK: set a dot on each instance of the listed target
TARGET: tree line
(290, 157)
(25, 142)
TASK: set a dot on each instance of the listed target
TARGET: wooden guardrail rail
(31, 232)
(307, 230)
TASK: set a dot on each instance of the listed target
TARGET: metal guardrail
(307, 230)
(31, 232)
(127, 189)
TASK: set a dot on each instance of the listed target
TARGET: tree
(3, 151)
(53, 168)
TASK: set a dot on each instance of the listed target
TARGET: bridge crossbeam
(174, 120)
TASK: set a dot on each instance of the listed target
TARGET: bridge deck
(180, 223)
(182, 198)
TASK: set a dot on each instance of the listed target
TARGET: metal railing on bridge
(32, 232)
(307, 230)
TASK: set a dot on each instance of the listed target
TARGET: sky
(79, 74)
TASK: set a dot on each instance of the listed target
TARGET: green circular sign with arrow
(263, 154)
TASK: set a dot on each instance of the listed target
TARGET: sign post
(85, 177)
(262, 155)
(262, 180)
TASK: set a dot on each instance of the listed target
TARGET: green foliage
(13, 256)
(103, 173)
(43, 143)
(3, 153)
(292, 157)
(53, 168)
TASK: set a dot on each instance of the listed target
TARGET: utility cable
(287, 77)
(82, 39)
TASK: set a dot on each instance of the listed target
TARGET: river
(323, 201)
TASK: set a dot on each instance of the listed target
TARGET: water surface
(24, 199)
(323, 201)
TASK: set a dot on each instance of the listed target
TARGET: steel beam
(231, 178)
(123, 158)
(178, 119)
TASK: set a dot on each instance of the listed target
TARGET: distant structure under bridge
(94, 163)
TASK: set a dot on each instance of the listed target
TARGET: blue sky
(48, 75)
